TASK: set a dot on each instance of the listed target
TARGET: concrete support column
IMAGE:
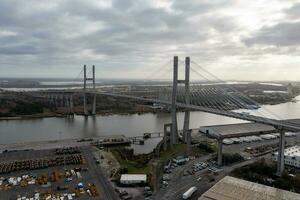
(186, 124)
(280, 158)
(56, 101)
(52, 103)
(220, 152)
(94, 105)
(174, 130)
(67, 103)
(71, 104)
(167, 131)
(62, 101)
(188, 142)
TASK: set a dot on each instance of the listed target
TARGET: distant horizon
(52, 79)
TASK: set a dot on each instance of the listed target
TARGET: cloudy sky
(234, 39)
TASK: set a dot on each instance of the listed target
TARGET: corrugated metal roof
(243, 129)
(135, 177)
(230, 188)
(233, 130)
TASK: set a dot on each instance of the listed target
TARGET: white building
(128, 179)
(291, 156)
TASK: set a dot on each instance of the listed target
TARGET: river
(26, 130)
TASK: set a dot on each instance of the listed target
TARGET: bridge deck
(287, 126)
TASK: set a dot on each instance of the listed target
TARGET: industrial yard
(63, 173)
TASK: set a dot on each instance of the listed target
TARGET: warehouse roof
(242, 129)
(133, 177)
(237, 130)
(230, 188)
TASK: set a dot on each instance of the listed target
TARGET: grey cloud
(294, 11)
(60, 35)
(283, 34)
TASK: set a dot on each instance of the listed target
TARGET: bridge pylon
(174, 129)
(186, 124)
(85, 80)
(186, 82)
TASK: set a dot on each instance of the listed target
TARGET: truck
(189, 193)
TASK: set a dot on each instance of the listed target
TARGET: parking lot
(59, 179)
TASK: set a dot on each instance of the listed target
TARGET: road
(107, 191)
(179, 184)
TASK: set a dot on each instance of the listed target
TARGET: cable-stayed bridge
(202, 94)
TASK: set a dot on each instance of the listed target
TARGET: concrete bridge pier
(188, 142)
(71, 104)
(48, 99)
(167, 133)
(62, 102)
(85, 110)
(56, 101)
(280, 156)
(94, 105)
(52, 100)
(67, 103)
(220, 152)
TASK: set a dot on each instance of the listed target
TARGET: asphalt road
(179, 184)
(107, 191)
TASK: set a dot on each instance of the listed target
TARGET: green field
(133, 167)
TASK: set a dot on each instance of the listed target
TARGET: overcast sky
(234, 39)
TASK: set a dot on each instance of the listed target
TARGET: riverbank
(53, 144)
(139, 110)
(62, 115)
(33, 116)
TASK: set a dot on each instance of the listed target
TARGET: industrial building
(230, 188)
(291, 156)
(129, 179)
(179, 160)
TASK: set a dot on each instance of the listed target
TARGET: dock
(53, 144)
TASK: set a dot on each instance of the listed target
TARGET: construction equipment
(93, 190)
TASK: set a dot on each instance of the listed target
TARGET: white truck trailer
(189, 193)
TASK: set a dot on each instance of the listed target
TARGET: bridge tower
(186, 82)
(86, 79)
(186, 124)
(174, 130)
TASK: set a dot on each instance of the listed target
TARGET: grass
(264, 173)
(132, 166)
(180, 149)
(137, 167)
